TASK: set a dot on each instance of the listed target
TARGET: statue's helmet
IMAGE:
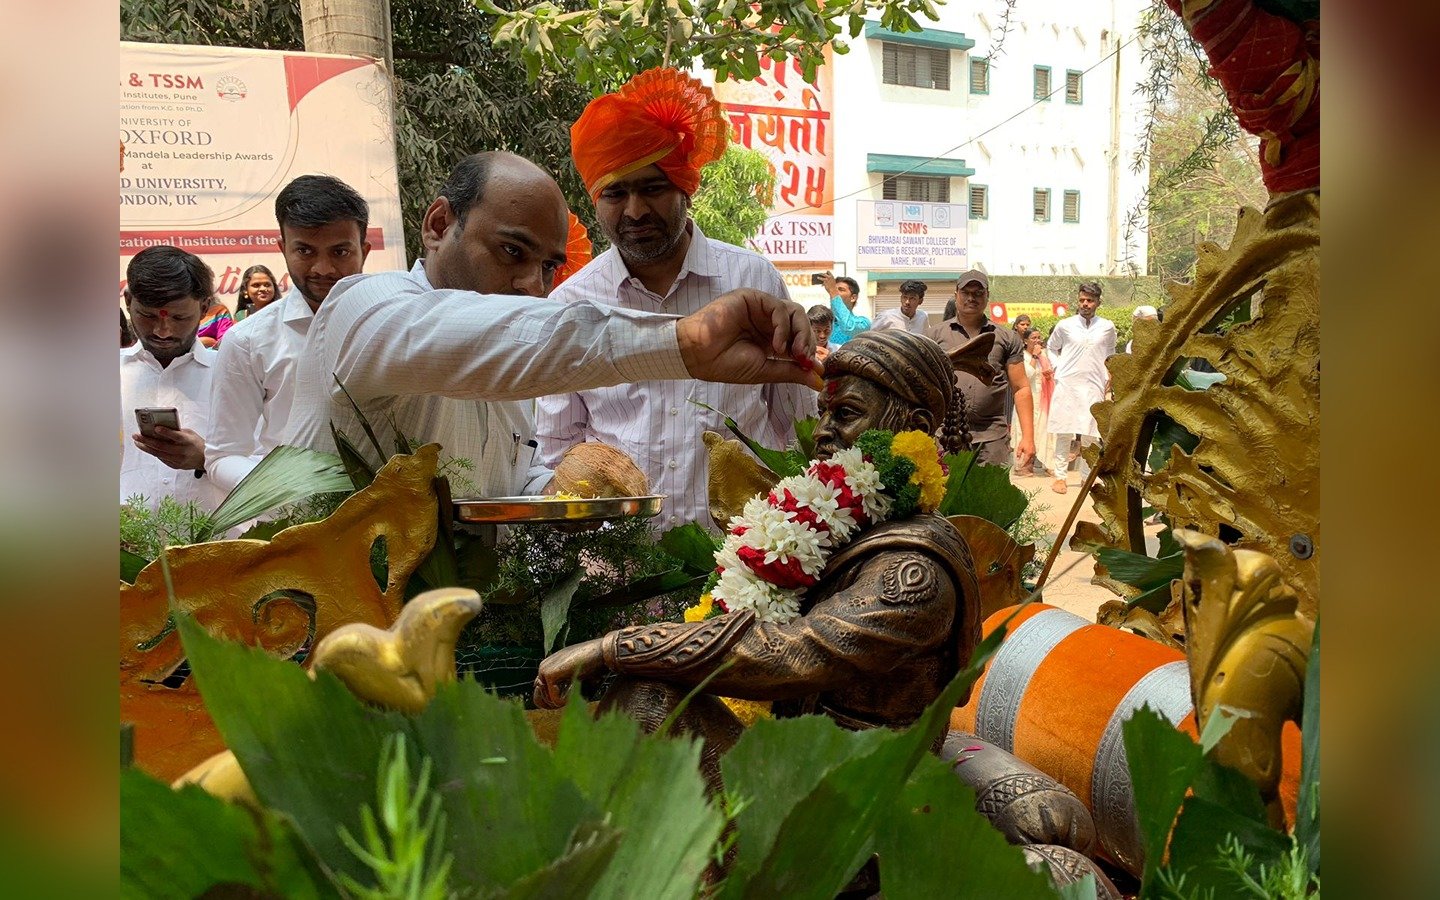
(911, 367)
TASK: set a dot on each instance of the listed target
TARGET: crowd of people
(1030, 407)
(455, 350)
(494, 346)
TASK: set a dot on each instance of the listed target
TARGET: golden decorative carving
(1248, 650)
(1254, 477)
(302, 585)
(1167, 628)
(998, 561)
(735, 475)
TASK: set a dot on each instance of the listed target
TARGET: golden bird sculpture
(396, 668)
(1249, 649)
(400, 667)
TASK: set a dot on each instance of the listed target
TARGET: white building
(1037, 139)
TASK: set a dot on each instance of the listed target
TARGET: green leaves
(816, 794)
(682, 34)
(181, 843)
(1307, 812)
(934, 824)
(652, 791)
(1139, 570)
(693, 546)
(309, 749)
(735, 195)
(979, 490)
(555, 608)
(130, 565)
(285, 475)
(1221, 806)
(609, 813)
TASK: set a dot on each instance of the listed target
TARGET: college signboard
(898, 235)
(211, 135)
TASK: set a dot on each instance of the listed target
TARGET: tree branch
(424, 56)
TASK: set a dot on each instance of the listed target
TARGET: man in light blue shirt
(844, 292)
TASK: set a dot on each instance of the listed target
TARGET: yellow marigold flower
(700, 610)
(921, 449)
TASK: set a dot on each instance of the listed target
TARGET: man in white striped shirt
(660, 261)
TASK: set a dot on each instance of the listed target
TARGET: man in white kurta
(454, 366)
(499, 226)
(1078, 348)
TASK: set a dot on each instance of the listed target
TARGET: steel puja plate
(538, 509)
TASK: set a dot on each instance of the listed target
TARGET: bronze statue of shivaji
(892, 619)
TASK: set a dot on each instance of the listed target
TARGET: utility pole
(351, 27)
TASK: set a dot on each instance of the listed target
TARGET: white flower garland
(779, 544)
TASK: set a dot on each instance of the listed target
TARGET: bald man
(438, 350)
(498, 226)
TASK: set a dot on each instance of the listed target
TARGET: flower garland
(781, 542)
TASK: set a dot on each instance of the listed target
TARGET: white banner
(211, 135)
(893, 235)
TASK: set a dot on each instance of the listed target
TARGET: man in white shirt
(1078, 348)
(909, 317)
(167, 292)
(499, 226)
(660, 261)
(446, 364)
(322, 235)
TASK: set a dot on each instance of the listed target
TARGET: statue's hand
(578, 662)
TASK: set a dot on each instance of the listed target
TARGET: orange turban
(660, 117)
(578, 250)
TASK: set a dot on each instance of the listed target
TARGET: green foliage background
(735, 195)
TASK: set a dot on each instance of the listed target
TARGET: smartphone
(150, 417)
(817, 279)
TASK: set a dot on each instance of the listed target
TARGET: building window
(1073, 92)
(916, 189)
(1072, 206)
(923, 67)
(979, 201)
(1042, 82)
(1042, 204)
(979, 76)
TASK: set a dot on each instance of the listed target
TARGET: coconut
(599, 470)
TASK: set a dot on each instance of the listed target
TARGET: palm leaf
(285, 475)
(357, 467)
(782, 462)
(364, 422)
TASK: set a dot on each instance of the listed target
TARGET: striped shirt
(459, 368)
(653, 421)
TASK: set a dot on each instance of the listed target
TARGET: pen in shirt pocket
(515, 454)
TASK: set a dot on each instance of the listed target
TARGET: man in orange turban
(640, 152)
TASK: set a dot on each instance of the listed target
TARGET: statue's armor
(893, 618)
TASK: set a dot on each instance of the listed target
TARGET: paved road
(1069, 588)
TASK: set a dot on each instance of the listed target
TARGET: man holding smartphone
(165, 380)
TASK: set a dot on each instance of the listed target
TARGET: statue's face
(851, 405)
